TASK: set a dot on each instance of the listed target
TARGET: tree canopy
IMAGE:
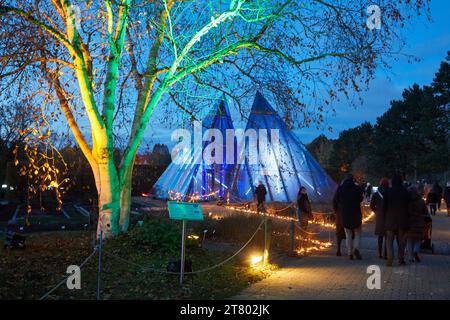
(104, 67)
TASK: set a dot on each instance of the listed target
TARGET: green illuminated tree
(117, 61)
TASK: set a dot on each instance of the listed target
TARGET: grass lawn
(30, 273)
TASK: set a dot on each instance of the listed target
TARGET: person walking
(439, 192)
(368, 191)
(447, 198)
(340, 233)
(432, 200)
(377, 206)
(396, 219)
(260, 193)
(426, 189)
(347, 202)
(304, 211)
(421, 187)
(417, 211)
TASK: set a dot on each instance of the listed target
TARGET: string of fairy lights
(307, 246)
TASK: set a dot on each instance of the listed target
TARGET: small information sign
(185, 211)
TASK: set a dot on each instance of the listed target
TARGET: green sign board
(185, 211)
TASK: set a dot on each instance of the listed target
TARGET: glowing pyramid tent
(190, 177)
(284, 166)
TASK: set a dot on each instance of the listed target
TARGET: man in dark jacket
(439, 192)
(260, 193)
(340, 233)
(432, 200)
(447, 198)
(396, 219)
(304, 211)
(377, 206)
(417, 211)
(347, 204)
(368, 191)
(303, 205)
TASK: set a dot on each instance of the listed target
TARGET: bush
(157, 235)
(234, 228)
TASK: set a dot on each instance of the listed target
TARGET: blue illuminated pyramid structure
(191, 177)
(282, 168)
(285, 167)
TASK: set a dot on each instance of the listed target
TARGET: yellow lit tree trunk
(108, 189)
(125, 199)
(114, 194)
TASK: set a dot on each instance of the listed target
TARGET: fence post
(292, 236)
(267, 238)
(266, 252)
(183, 244)
(99, 273)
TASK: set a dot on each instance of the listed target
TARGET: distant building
(148, 168)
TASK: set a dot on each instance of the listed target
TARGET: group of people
(401, 214)
(434, 196)
(400, 210)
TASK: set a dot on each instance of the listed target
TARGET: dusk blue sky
(428, 41)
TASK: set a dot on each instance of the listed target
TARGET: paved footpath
(325, 276)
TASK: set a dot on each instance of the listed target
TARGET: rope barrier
(192, 272)
(151, 269)
(323, 213)
(303, 230)
(279, 210)
(65, 278)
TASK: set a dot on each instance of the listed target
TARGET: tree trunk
(114, 200)
(125, 199)
(108, 188)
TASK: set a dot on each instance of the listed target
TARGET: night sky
(428, 41)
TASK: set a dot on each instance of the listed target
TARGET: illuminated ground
(325, 276)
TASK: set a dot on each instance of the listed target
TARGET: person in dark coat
(447, 198)
(432, 200)
(396, 219)
(421, 187)
(303, 210)
(304, 205)
(439, 191)
(347, 203)
(368, 191)
(340, 233)
(417, 211)
(377, 206)
(260, 193)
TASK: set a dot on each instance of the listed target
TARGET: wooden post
(265, 252)
(267, 233)
(292, 236)
(183, 236)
